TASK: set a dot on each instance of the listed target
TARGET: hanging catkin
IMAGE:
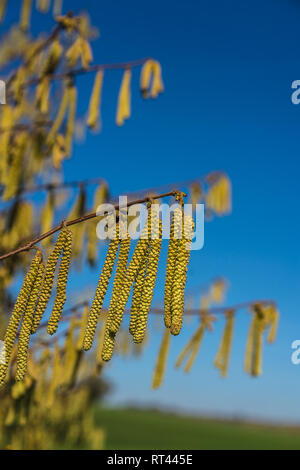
(253, 357)
(194, 342)
(180, 275)
(171, 260)
(94, 120)
(223, 355)
(273, 318)
(155, 232)
(101, 291)
(62, 279)
(151, 81)
(161, 361)
(25, 332)
(218, 198)
(137, 295)
(48, 279)
(71, 120)
(60, 115)
(115, 317)
(18, 311)
(42, 95)
(25, 14)
(123, 108)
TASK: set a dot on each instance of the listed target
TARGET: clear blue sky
(228, 68)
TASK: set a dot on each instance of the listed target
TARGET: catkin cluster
(23, 301)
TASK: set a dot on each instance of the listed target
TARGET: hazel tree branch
(79, 220)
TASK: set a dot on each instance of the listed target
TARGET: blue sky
(228, 68)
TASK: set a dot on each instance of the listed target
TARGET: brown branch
(69, 223)
(90, 69)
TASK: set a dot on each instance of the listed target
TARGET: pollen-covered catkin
(180, 275)
(25, 332)
(18, 311)
(137, 295)
(253, 357)
(161, 361)
(48, 279)
(71, 119)
(171, 260)
(61, 284)
(223, 355)
(155, 246)
(115, 317)
(101, 291)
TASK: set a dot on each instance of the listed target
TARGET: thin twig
(69, 223)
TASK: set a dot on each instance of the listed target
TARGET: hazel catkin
(18, 311)
(25, 332)
(100, 292)
(62, 279)
(48, 279)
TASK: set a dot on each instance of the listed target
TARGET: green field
(137, 429)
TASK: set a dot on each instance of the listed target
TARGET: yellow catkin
(146, 74)
(161, 361)
(151, 81)
(2, 9)
(93, 119)
(59, 151)
(86, 53)
(61, 284)
(152, 266)
(171, 260)
(157, 84)
(83, 322)
(15, 173)
(137, 295)
(218, 198)
(100, 292)
(71, 119)
(25, 14)
(115, 317)
(18, 311)
(123, 108)
(101, 336)
(48, 279)
(180, 275)
(253, 357)
(42, 95)
(52, 59)
(74, 52)
(25, 332)
(197, 340)
(223, 355)
(198, 335)
(273, 323)
(60, 115)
